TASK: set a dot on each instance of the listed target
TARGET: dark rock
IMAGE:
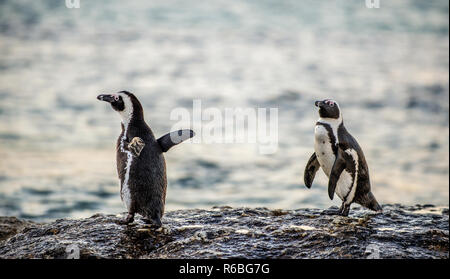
(10, 226)
(419, 231)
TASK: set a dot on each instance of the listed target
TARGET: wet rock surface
(10, 226)
(419, 231)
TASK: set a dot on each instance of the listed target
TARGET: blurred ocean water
(388, 68)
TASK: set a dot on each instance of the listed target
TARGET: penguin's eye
(330, 103)
(116, 98)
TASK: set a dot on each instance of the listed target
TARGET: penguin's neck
(334, 124)
(127, 113)
(126, 118)
(129, 117)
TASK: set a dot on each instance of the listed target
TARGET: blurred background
(387, 67)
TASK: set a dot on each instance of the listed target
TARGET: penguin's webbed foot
(154, 223)
(136, 145)
(343, 213)
(344, 210)
(128, 220)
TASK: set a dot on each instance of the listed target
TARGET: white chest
(125, 193)
(323, 149)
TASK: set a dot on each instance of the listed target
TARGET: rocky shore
(419, 231)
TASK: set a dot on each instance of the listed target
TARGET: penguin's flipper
(310, 170)
(336, 170)
(173, 138)
(136, 145)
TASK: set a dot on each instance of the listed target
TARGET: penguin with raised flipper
(140, 162)
(342, 160)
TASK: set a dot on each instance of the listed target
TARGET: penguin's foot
(136, 145)
(154, 223)
(128, 220)
(344, 214)
(344, 210)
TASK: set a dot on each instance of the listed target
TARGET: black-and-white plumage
(140, 162)
(342, 160)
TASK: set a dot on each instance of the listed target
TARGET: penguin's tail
(372, 203)
(173, 138)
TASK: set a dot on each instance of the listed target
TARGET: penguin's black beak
(106, 97)
(318, 103)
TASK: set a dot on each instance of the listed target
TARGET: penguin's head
(125, 103)
(328, 109)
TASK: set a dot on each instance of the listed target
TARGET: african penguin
(140, 162)
(341, 159)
